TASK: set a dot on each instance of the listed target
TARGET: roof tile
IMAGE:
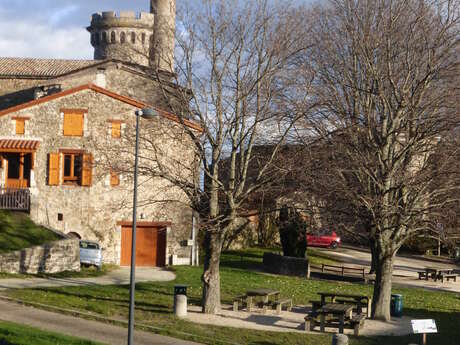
(31, 67)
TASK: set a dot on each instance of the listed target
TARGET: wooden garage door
(150, 246)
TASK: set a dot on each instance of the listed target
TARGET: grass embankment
(13, 334)
(154, 304)
(17, 232)
(85, 272)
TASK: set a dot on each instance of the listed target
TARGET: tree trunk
(374, 257)
(211, 276)
(382, 287)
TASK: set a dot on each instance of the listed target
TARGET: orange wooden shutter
(116, 130)
(20, 126)
(73, 124)
(53, 169)
(87, 170)
(114, 178)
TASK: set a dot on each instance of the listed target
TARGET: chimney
(162, 50)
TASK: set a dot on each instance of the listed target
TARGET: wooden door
(150, 246)
(15, 172)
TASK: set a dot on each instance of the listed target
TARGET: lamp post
(146, 114)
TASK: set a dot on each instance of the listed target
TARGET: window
(112, 37)
(143, 38)
(116, 129)
(114, 178)
(122, 37)
(72, 168)
(133, 37)
(20, 125)
(104, 37)
(73, 122)
(76, 168)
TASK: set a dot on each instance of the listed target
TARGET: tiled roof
(30, 67)
(19, 144)
(103, 91)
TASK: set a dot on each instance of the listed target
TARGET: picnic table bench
(359, 301)
(342, 317)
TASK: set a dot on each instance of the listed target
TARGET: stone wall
(59, 256)
(286, 265)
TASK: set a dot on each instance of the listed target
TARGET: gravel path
(119, 276)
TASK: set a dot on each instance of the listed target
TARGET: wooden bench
(341, 270)
(279, 304)
(237, 301)
(357, 321)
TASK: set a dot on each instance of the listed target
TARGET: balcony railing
(14, 199)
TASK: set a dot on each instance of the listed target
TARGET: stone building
(66, 129)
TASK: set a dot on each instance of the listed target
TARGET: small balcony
(14, 199)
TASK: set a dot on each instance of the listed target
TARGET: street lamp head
(147, 113)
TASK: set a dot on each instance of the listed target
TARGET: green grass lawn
(17, 231)
(14, 334)
(154, 303)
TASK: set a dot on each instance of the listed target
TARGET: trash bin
(180, 300)
(396, 306)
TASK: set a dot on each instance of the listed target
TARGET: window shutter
(116, 130)
(73, 124)
(53, 169)
(114, 178)
(20, 126)
(87, 170)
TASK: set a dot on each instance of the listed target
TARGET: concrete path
(76, 327)
(119, 276)
(405, 268)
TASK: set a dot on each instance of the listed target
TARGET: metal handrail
(15, 199)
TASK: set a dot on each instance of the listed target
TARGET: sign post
(423, 327)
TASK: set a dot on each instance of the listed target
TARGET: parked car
(90, 253)
(324, 238)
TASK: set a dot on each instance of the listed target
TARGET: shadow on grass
(119, 302)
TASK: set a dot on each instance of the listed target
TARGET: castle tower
(126, 37)
(162, 50)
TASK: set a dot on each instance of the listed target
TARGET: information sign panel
(424, 326)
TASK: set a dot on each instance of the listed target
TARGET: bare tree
(385, 77)
(236, 63)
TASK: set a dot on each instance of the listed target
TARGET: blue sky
(53, 28)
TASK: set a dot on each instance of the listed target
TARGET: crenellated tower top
(143, 38)
(126, 36)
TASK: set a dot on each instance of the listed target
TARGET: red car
(323, 238)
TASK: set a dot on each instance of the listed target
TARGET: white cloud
(37, 39)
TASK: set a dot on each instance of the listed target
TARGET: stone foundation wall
(63, 255)
(286, 265)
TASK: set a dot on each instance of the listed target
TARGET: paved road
(119, 276)
(76, 327)
(405, 268)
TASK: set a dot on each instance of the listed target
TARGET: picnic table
(359, 301)
(262, 293)
(343, 311)
(437, 273)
